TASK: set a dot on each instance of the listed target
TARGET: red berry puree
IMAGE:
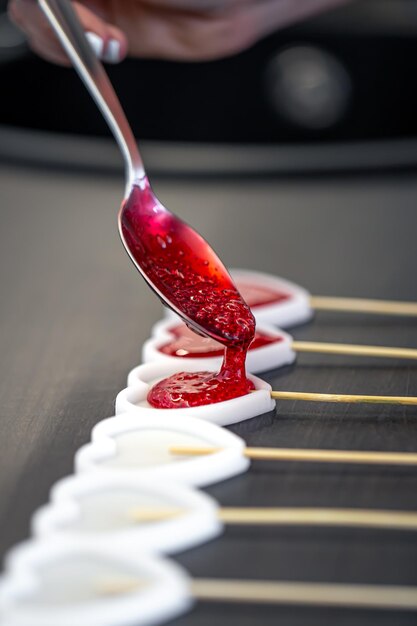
(182, 265)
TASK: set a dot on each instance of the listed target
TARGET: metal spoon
(178, 264)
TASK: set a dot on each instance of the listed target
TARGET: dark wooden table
(74, 315)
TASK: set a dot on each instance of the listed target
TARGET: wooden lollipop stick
(300, 593)
(305, 455)
(284, 593)
(118, 586)
(392, 520)
(337, 397)
(354, 350)
(362, 305)
(146, 515)
(282, 516)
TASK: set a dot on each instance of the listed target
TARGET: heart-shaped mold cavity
(105, 511)
(58, 583)
(140, 447)
(173, 341)
(134, 398)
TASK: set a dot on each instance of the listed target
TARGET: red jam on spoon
(183, 267)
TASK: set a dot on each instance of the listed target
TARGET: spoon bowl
(182, 268)
(177, 263)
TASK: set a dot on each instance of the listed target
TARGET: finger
(41, 39)
(27, 16)
(49, 51)
(114, 48)
(108, 41)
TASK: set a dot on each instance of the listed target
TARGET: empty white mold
(140, 447)
(57, 583)
(100, 510)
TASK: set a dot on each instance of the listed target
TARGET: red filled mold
(190, 389)
(188, 344)
(260, 296)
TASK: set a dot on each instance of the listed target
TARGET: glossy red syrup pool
(260, 296)
(187, 344)
(182, 266)
(190, 389)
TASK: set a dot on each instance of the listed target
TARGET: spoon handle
(64, 21)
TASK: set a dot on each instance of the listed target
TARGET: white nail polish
(96, 43)
(112, 53)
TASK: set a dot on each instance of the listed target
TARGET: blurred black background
(348, 75)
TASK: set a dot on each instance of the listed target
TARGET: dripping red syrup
(187, 344)
(260, 296)
(181, 265)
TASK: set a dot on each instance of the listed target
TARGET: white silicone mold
(260, 359)
(140, 447)
(295, 310)
(58, 583)
(133, 398)
(98, 510)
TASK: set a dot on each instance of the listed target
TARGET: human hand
(189, 30)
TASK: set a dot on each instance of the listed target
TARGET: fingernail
(96, 43)
(112, 52)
